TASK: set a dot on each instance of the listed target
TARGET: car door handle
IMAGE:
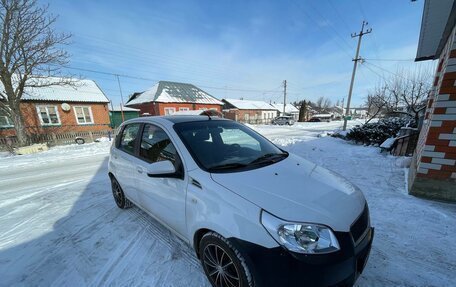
(139, 169)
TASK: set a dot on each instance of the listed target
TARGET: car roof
(191, 118)
(176, 119)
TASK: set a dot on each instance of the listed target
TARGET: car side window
(156, 145)
(128, 138)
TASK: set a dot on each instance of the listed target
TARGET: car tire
(119, 196)
(223, 263)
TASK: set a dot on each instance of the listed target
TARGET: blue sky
(235, 49)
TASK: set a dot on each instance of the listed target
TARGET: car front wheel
(119, 196)
(223, 264)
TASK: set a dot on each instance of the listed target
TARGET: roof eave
(445, 33)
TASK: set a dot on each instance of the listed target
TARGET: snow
(388, 143)
(60, 225)
(80, 90)
(172, 92)
(250, 105)
(289, 108)
(124, 109)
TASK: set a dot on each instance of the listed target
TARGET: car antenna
(207, 114)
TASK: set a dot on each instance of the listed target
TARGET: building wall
(158, 109)
(68, 122)
(249, 116)
(433, 173)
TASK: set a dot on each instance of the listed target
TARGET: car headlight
(307, 238)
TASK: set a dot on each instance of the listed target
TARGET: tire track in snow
(107, 269)
(156, 230)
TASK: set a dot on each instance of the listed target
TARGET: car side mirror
(163, 168)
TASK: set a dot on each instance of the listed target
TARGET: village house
(433, 170)
(166, 98)
(247, 111)
(59, 109)
(290, 110)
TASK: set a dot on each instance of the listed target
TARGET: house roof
(289, 108)
(77, 91)
(172, 92)
(249, 105)
(125, 109)
(437, 22)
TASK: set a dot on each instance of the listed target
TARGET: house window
(5, 122)
(48, 115)
(83, 115)
(169, 111)
(184, 109)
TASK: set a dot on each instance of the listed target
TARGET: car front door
(123, 160)
(163, 197)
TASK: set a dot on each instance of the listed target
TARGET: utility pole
(343, 102)
(121, 99)
(284, 96)
(355, 60)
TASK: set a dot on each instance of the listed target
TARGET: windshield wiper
(232, 165)
(269, 157)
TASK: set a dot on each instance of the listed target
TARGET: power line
(385, 70)
(339, 15)
(390, 60)
(344, 49)
(154, 80)
(331, 26)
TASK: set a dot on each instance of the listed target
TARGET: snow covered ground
(60, 226)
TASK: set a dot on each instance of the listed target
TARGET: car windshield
(226, 146)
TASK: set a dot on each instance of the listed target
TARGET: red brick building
(81, 107)
(166, 98)
(433, 170)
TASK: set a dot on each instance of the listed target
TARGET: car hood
(295, 189)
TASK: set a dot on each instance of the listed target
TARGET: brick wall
(158, 109)
(68, 122)
(435, 158)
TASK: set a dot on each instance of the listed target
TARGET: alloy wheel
(117, 192)
(220, 267)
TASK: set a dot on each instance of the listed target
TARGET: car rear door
(124, 160)
(163, 197)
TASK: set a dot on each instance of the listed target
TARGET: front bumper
(279, 267)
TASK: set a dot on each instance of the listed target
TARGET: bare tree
(376, 102)
(410, 90)
(322, 104)
(403, 93)
(30, 56)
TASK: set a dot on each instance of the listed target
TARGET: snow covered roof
(289, 108)
(172, 92)
(249, 105)
(77, 91)
(125, 109)
(211, 112)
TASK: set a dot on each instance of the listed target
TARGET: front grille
(360, 225)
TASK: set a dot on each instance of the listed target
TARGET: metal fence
(57, 138)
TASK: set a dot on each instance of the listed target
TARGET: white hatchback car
(255, 214)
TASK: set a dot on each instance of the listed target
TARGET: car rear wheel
(223, 264)
(119, 196)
